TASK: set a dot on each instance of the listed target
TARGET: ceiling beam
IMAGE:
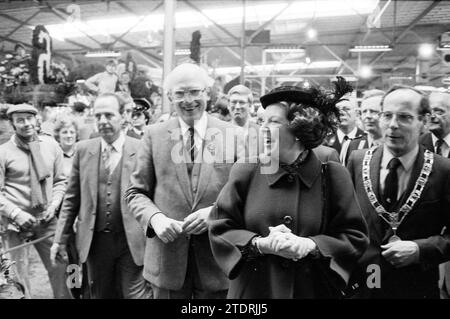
(211, 20)
(265, 24)
(23, 23)
(137, 23)
(339, 58)
(353, 43)
(63, 15)
(409, 27)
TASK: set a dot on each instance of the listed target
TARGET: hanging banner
(41, 55)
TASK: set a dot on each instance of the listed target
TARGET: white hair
(188, 71)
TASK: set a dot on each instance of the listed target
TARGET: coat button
(290, 178)
(285, 264)
(287, 220)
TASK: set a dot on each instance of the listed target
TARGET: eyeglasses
(179, 94)
(402, 118)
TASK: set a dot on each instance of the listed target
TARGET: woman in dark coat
(296, 231)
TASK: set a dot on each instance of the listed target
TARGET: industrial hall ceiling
(278, 41)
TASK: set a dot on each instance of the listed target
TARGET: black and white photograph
(224, 154)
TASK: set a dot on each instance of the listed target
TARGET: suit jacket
(326, 154)
(423, 225)
(133, 134)
(358, 143)
(426, 141)
(333, 141)
(161, 183)
(81, 199)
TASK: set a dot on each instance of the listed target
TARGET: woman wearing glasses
(296, 231)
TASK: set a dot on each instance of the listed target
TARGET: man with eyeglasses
(348, 130)
(404, 194)
(174, 187)
(370, 116)
(438, 139)
(108, 238)
(240, 103)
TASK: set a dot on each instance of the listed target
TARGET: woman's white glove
(282, 242)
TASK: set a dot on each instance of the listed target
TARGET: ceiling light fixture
(445, 47)
(426, 51)
(365, 72)
(371, 48)
(223, 15)
(290, 79)
(102, 54)
(182, 52)
(285, 50)
(311, 33)
(267, 68)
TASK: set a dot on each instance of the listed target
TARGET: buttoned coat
(161, 183)
(81, 199)
(251, 202)
(422, 225)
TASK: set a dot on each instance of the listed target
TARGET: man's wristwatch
(254, 243)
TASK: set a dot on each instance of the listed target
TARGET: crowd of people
(306, 193)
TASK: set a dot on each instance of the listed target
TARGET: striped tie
(191, 144)
(107, 157)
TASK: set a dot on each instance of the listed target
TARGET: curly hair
(312, 113)
(307, 123)
(62, 123)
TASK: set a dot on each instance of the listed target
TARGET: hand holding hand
(196, 223)
(167, 229)
(282, 242)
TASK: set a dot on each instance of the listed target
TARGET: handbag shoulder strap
(325, 197)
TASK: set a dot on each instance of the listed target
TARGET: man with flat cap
(32, 186)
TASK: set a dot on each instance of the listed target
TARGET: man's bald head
(440, 114)
(187, 73)
(186, 89)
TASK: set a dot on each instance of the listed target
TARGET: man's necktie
(439, 143)
(191, 144)
(107, 157)
(344, 148)
(391, 183)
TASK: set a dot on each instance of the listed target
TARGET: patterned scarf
(294, 168)
(38, 171)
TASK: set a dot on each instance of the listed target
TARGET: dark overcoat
(252, 201)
